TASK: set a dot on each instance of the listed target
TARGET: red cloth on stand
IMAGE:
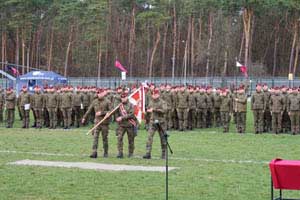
(285, 174)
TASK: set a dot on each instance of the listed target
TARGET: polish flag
(243, 68)
(137, 99)
(120, 66)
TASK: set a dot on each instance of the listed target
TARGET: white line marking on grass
(90, 165)
(171, 158)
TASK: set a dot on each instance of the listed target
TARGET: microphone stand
(167, 156)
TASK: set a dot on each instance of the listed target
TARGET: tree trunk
(132, 39)
(210, 30)
(163, 65)
(50, 50)
(174, 41)
(68, 51)
(99, 59)
(192, 46)
(153, 53)
(242, 46)
(293, 46)
(227, 38)
(3, 49)
(186, 49)
(276, 40)
(296, 57)
(247, 20)
(23, 51)
(17, 56)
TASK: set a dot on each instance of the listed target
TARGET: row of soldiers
(52, 107)
(187, 107)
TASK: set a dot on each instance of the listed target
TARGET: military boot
(93, 155)
(120, 155)
(147, 156)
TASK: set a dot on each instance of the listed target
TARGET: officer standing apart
(101, 107)
(156, 108)
(126, 124)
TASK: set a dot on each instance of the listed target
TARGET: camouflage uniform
(38, 106)
(217, 105)
(201, 109)
(210, 110)
(276, 106)
(167, 97)
(24, 98)
(182, 109)
(286, 122)
(46, 116)
(100, 105)
(293, 109)
(174, 116)
(86, 102)
(267, 113)
(258, 107)
(60, 119)
(126, 125)
(241, 111)
(159, 108)
(2, 99)
(77, 99)
(225, 110)
(10, 100)
(66, 107)
(192, 115)
(52, 102)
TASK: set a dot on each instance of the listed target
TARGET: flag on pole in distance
(137, 99)
(120, 66)
(243, 68)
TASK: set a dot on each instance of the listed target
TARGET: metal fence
(113, 82)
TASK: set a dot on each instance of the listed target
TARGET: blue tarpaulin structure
(41, 78)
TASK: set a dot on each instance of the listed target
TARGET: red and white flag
(120, 66)
(243, 68)
(137, 99)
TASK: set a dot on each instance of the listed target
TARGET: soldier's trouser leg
(175, 119)
(121, 132)
(22, 112)
(267, 121)
(46, 117)
(38, 115)
(294, 116)
(67, 112)
(1, 114)
(217, 117)
(170, 120)
(225, 121)
(10, 117)
(151, 133)
(25, 114)
(185, 118)
(96, 139)
(241, 121)
(208, 118)
(77, 116)
(52, 117)
(163, 143)
(285, 123)
(275, 122)
(131, 136)
(19, 112)
(34, 117)
(147, 120)
(104, 132)
(180, 113)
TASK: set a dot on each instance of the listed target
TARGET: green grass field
(208, 162)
